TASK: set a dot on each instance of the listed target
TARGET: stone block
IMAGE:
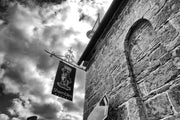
(153, 65)
(161, 76)
(167, 33)
(112, 113)
(119, 94)
(174, 43)
(135, 53)
(157, 53)
(121, 77)
(142, 88)
(174, 117)
(134, 109)
(122, 113)
(165, 57)
(170, 7)
(175, 21)
(109, 84)
(98, 85)
(174, 95)
(169, 118)
(176, 55)
(156, 5)
(89, 92)
(116, 67)
(158, 107)
(141, 66)
(176, 62)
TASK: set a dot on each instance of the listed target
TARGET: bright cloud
(4, 117)
(27, 72)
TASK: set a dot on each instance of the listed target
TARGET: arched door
(137, 46)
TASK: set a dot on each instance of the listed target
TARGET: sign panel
(64, 81)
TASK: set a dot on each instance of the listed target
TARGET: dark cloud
(61, 12)
(38, 90)
(14, 43)
(41, 2)
(6, 7)
(71, 107)
(6, 100)
(4, 65)
(12, 40)
(45, 62)
(47, 110)
(15, 74)
(4, 3)
(87, 18)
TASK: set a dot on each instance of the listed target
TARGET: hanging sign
(64, 81)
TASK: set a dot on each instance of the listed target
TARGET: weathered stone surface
(87, 112)
(176, 62)
(121, 77)
(86, 105)
(134, 110)
(142, 88)
(176, 52)
(150, 49)
(89, 92)
(141, 66)
(112, 113)
(158, 107)
(156, 5)
(119, 94)
(169, 8)
(174, 95)
(173, 44)
(169, 118)
(160, 51)
(167, 33)
(165, 57)
(175, 21)
(153, 65)
(115, 67)
(91, 102)
(174, 117)
(160, 76)
(122, 67)
(140, 41)
(176, 55)
(122, 113)
(109, 84)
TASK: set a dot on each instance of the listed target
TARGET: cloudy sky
(27, 73)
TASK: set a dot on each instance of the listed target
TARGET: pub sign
(64, 81)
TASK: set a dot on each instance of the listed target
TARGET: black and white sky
(27, 73)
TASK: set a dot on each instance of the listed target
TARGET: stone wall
(137, 63)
